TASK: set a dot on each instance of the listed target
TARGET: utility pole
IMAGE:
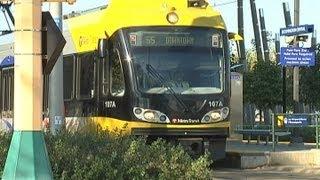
(296, 68)
(264, 35)
(287, 18)
(255, 25)
(243, 59)
(296, 78)
(27, 157)
(55, 95)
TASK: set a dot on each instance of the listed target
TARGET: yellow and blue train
(157, 68)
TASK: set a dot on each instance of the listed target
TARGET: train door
(69, 85)
(79, 84)
(85, 83)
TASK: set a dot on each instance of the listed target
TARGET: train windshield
(180, 60)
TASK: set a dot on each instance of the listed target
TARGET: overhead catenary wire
(225, 3)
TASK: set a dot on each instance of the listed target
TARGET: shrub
(92, 153)
(5, 139)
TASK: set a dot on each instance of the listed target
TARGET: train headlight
(224, 112)
(172, 18)
(206, 118)
(215, 115)
(149, 115)
(163, 118)
(137, 110)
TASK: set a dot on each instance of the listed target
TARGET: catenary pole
(255, 25)
(55, 94)
(264, 35)
(288, 22)
(277, 47)
(243, 59)
(296, 68)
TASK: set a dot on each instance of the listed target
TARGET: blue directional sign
(295, 30)
(296, 120)
(295, 56)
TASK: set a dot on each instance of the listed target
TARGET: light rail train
(155, 68)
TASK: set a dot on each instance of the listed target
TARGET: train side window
(11, 90)
(68, 77)
(86, 75)
(7, 83)
(3, 91)
(117, 77)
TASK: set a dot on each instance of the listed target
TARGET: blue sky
(272, 11)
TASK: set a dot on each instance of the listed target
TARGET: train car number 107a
(215, 103)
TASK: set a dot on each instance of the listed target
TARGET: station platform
(242, 155)
(242, 146)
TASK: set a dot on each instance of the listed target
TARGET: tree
(263, 85)
(310, 84)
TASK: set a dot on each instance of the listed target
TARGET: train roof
(86, 29)
(83, 29)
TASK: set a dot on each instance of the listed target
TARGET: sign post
(273, 133)
(317, 131)
(27, 157)
(295, 56)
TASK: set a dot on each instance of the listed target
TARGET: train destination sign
(295, 56)
(168, 40)
(157, 39)
(295, 30)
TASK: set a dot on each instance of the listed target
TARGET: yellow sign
(280, 121)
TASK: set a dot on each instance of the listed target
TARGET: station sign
(295, 56)
(296, 120)
(296, 30)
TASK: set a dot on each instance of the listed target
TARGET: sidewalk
(256, 155)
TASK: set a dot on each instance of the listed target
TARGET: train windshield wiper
(153, 72)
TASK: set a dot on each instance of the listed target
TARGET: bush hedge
(92, 153)
(5, 139)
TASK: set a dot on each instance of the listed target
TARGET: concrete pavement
(253, 155)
